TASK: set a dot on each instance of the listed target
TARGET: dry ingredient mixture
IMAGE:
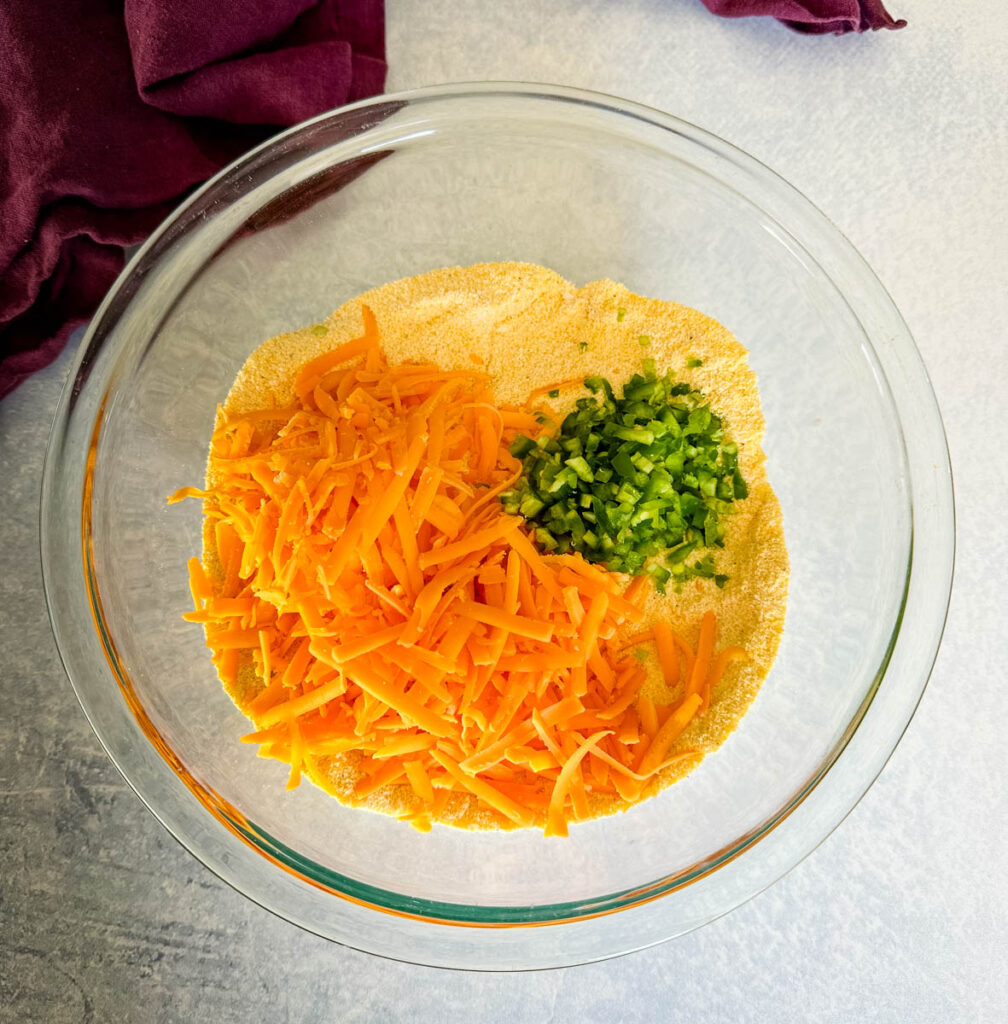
(489, 550)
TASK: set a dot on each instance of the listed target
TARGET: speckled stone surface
(901, 139)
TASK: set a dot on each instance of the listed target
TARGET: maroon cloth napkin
(817, 17)
(110, 112)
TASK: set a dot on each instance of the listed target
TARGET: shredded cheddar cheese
(392, 609)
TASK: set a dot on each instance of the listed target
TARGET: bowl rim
(240, 829)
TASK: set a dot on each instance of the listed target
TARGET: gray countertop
(902, 139)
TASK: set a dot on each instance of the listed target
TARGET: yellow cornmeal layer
(526, 324)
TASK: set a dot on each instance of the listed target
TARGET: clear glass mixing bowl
(592, 187)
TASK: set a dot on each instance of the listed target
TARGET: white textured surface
(902, 139)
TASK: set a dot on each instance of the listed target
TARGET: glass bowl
(592, 187)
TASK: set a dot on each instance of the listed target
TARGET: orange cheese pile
(396, 617)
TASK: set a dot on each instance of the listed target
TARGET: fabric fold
(813, 17)
(111, 114)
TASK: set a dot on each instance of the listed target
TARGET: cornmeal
(528, 327)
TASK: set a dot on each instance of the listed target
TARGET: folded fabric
(816, 17)
(110, 113)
